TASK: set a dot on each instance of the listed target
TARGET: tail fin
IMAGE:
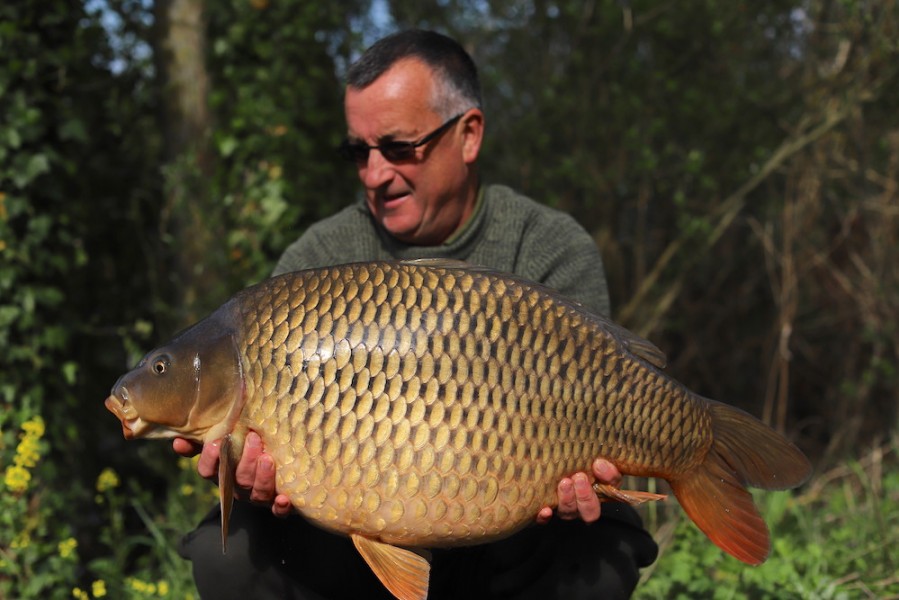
(745, 452)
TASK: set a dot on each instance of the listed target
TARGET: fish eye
(160, 365)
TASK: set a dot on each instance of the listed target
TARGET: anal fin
(404, 572)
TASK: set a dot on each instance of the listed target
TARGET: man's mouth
(392, 200)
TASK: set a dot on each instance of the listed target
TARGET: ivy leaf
(70, 372)
(36, 166)
(74, 130)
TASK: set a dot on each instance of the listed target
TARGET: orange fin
(745, 452)
(404, 572)
(610, 493)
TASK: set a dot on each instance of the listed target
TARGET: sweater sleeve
(347, 236)
(304, 253)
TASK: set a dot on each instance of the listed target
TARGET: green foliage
(736, 161)
(146, 564)
(36, 251)
(279, 119)
(834, 541)
(61, 165)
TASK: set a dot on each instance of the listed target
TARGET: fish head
(181, 389)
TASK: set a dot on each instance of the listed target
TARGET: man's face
(422, 200)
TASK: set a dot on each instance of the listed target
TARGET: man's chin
(402, 227)
(405, 235)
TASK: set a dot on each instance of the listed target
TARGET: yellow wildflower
(107, 480)
(34, 427)
(67, 547)
(79, 594)
(22, 540)
(137, 585)
(28, 451)
(16, 478)
(163, 588)
(98, 588)
(187, 489)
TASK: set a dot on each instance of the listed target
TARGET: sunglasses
(392, 151)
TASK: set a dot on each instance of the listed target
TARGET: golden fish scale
(433, 406)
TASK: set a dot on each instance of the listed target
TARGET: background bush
(736, 161)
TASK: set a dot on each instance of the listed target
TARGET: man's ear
(472, 135)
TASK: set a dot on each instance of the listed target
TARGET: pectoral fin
(404, 572)
(227, 467)
(610, 493)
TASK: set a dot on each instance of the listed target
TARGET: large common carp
(430, 403)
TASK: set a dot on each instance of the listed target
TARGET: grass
(837, 538)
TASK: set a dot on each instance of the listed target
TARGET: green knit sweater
(507, 232)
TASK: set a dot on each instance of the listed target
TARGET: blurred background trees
(736, 161)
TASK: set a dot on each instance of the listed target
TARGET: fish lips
(116, 407)
(132, 427)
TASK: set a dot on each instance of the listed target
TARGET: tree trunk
(191, 221)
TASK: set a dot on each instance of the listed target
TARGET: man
(415, 126)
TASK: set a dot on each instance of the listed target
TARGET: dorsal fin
(443, 263)
(404, 572)
(635, 344)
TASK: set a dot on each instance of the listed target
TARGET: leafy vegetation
(736, 161)
(833, 540)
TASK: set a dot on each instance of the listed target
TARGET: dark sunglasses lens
(397, 151)
(353, 152)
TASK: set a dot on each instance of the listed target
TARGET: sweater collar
(459, 245)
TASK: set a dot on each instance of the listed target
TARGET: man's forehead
(396, 105)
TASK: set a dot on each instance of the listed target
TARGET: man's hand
(255, 481)
(576, 496)
(255, 475)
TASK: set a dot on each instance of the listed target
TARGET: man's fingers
(264, 483)
(245, 474)
(567, 508)
(208, 465)
(606, 472)
(281, 507)
(185, 447)
(545, 515)
(587, 502)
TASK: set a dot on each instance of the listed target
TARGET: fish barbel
(432, 403)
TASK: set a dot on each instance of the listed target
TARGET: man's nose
(376, 171)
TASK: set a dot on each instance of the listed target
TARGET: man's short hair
(458, 87)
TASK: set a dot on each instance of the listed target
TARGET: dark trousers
(291, 559)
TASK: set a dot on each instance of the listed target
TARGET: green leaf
(73, 129)
(70, 372)
(36, 166)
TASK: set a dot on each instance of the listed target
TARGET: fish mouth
(132, 427)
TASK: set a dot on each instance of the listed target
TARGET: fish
(432, 403)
